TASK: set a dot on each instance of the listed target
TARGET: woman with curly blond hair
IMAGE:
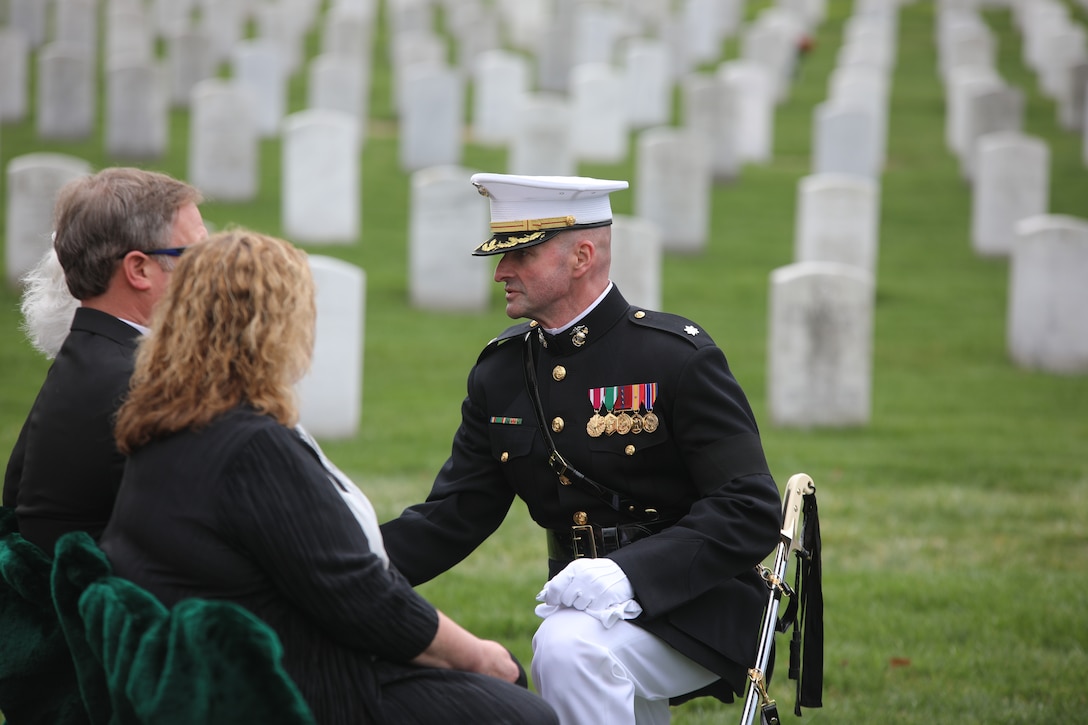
(224, 498)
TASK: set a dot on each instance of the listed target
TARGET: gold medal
(636, 424)
(593, 427)
(623, 424)
(649, 422)
(610, 424)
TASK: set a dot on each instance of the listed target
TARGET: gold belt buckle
(582, 542)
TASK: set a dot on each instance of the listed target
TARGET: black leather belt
(591, 541)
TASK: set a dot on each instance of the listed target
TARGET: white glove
(596, 586)
(585, 583)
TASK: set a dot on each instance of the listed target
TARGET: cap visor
(502, 243)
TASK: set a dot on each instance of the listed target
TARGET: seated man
(116, 236)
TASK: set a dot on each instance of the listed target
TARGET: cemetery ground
(955, 524)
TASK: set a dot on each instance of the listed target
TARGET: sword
(790, 540)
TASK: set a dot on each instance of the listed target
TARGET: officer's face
(537, 281)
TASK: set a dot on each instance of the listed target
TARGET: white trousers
(621, 676)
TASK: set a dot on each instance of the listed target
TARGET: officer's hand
(588, 584)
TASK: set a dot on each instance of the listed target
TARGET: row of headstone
(616, 81)
(1009, 171)
(978, 101)
(195, 46)
(1055, 48)
(1054, 44)
(850, 128)
(822, 306)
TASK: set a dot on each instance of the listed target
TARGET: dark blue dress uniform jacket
(703, 465)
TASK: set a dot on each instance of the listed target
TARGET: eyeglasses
(166, 252)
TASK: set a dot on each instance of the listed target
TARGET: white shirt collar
(586, 311)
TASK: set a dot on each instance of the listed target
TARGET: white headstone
(542, 141)
(259, 66)
(752, 89)
(128, 36)
(191, 60)
(66, 93)
(331, 394)
(968, 41)
(501, 80)
(171, 16)
(1012, 182)
(773, 47)
(598, 113)
(820, 345)
(637, 257)
(672, 188)
(1071, 103)
(223, 141)
(555, 48)
(277, 25)
(75, 23)
(33, 181)
(704, 24)
(1047, 324)
(432, 118)
(838, 220)
(845, 140)
(649, 83)
(410, 50)
(478, 32)
(866, 88)
(137, 120)
(710, 111)
(962, 84)
(337, 84)
(13, 75)
(224, 22)
(347, 31)
(29, 17)
(321, 196)
(988, 111)
(447, 220)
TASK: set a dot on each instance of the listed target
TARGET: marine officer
(633, 446)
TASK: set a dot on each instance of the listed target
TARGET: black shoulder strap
(567, 473)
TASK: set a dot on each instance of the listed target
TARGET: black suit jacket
(703, 465)
(64, 471)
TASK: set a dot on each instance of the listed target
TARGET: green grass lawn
(955, 524)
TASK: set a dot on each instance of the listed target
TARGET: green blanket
(201, 662)
(37, 679)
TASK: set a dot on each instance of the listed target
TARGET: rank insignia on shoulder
(692, 330)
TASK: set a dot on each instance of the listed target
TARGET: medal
(623, 424)
(610, 423)
(636, 424)
(595, 426)
(648, 393)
